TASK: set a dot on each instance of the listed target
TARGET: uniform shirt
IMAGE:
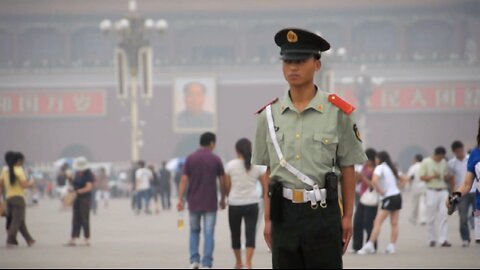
(430, 167)
(388, 181)
(203, 168)
(458, 168)
(16, 189)
(309, 140)
(244, 183)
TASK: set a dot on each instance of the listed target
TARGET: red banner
(410, 97)
(46, 103)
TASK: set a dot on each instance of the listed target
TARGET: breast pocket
(325, 146)
(271, 148)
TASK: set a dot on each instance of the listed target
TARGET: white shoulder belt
(320, 194)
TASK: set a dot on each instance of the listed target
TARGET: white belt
(303, 196)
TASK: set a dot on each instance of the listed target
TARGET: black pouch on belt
(331, 184)
(275, 193)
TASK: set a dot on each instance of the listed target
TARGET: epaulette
(346, 107)
(270, 103)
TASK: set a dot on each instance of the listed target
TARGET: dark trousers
(467, 201)
(81, 216)
(16, 220)
(237, 213)
(307, 238)
(165, 197)
(363, 221)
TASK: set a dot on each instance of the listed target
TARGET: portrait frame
(183, 120)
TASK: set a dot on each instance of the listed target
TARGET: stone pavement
(121, 239)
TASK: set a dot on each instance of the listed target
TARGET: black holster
(275, 192)
(331, 184)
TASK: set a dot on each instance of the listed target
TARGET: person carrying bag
(370, 197)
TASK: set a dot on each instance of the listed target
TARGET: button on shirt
(309, 140)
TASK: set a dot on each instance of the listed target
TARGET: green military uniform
(309, 140)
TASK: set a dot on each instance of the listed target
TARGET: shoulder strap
(270, 103)
(346, 107)
(283, 162)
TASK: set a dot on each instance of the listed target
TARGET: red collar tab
(270, 103)
(346, 107)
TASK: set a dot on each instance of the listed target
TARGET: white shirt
(458, 168)
(417, 183)
(244, 184)
(388, 181)
(358, 170)
(143, 177)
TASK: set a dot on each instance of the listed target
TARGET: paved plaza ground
(121, 239)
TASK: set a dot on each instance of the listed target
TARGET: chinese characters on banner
(418, 97)
(45, 103)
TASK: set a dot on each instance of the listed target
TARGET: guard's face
(195, 98)
(300, 72)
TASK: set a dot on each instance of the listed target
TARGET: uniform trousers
(307, 238)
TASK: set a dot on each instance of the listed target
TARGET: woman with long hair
(385, 178)
(243, 200)
(14, 181)
(365, 214)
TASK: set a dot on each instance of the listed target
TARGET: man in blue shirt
(473, 173)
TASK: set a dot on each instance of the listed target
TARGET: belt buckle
(297, 196)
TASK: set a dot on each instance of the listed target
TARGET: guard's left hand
(347, 232)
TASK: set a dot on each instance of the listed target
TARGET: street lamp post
(133, 57)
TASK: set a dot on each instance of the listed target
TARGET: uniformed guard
(309, 141)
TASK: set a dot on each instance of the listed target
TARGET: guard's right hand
(267, 233)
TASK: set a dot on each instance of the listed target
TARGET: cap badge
(292, 37)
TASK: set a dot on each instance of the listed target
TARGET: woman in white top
(243, 200)
(384, 180)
